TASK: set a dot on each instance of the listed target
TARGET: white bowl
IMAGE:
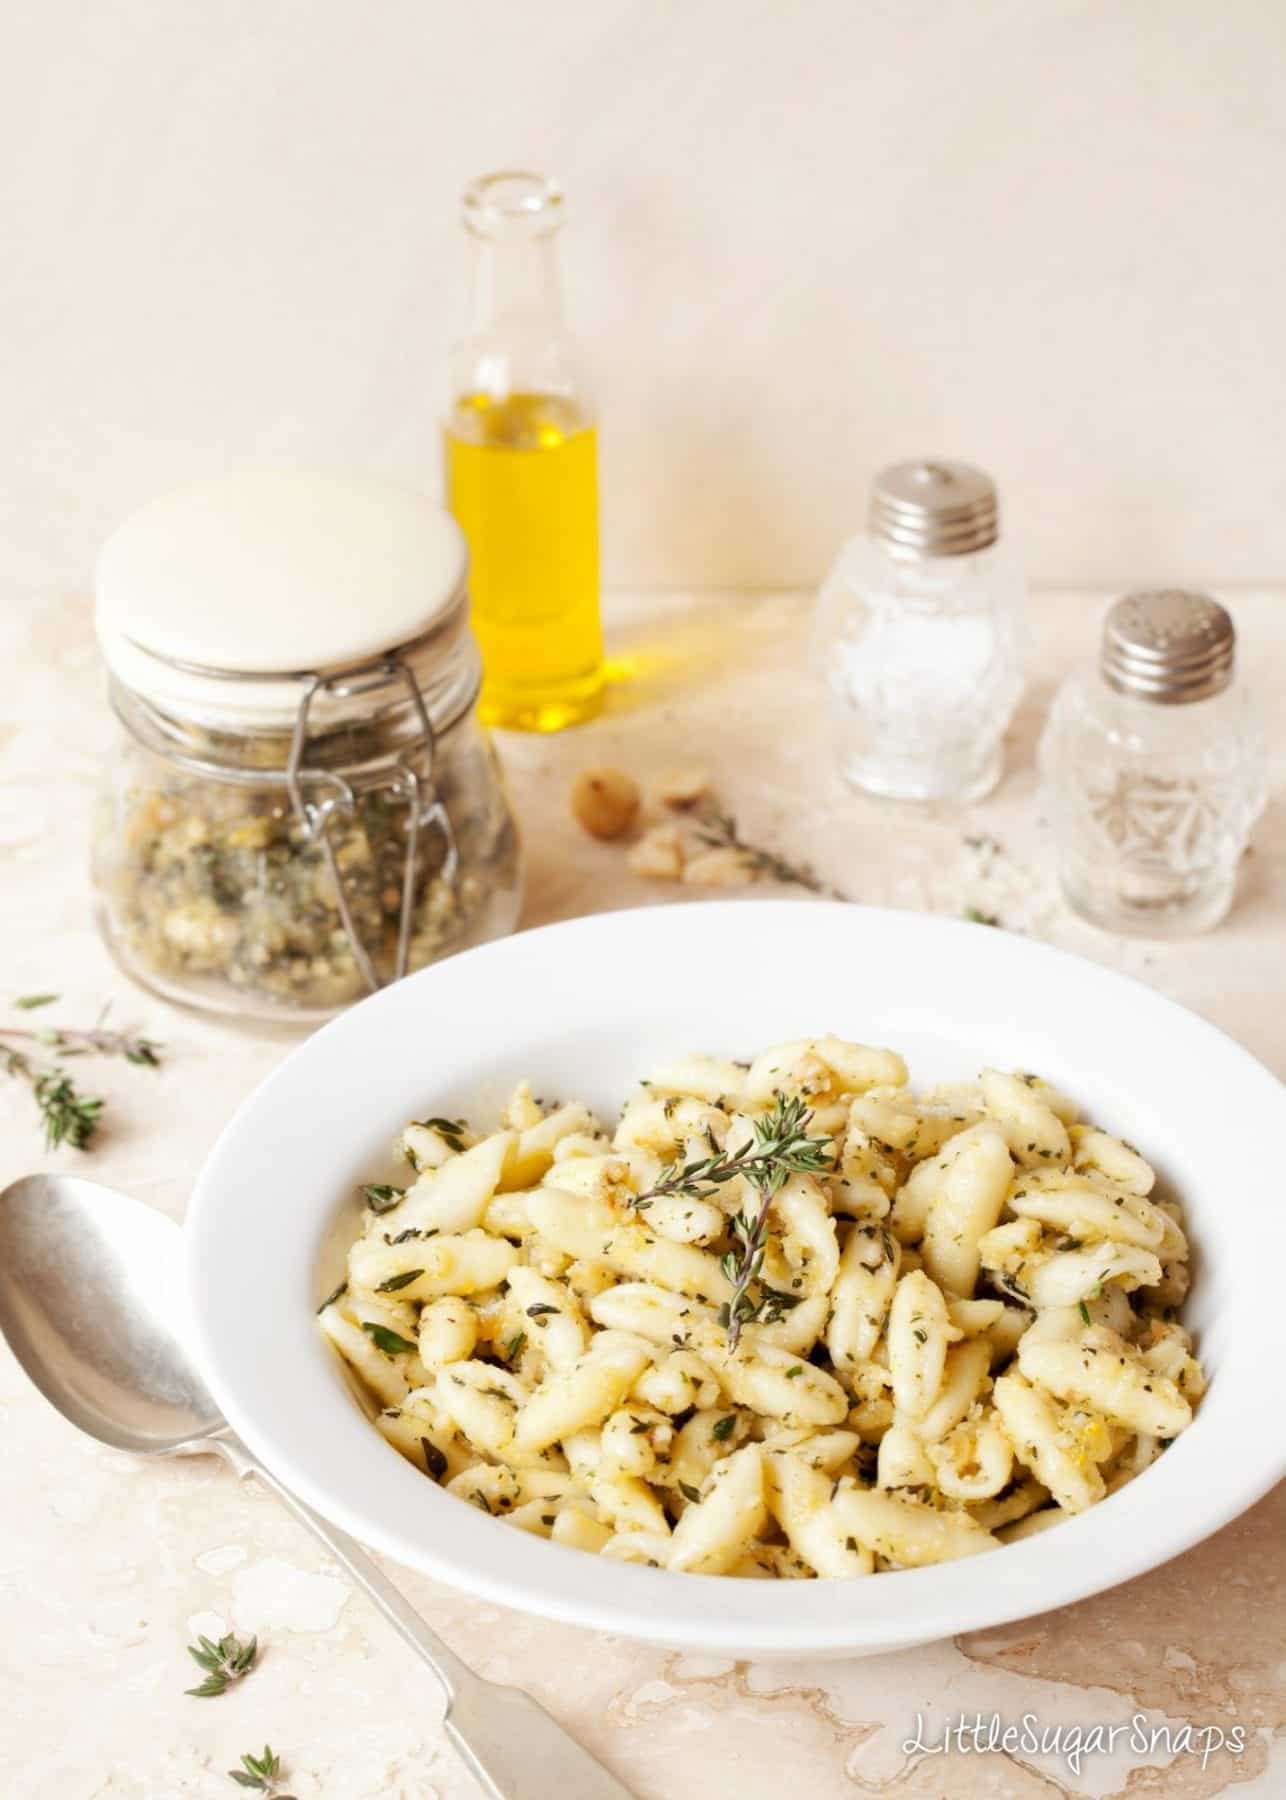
(583, 1009)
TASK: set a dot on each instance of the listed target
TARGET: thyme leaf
(262, 1773)
(395, 1282)
(224, 1663)
(380, 1197)
(390, 1342)
(451, 1131)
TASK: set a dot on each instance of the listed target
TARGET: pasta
(787, 1319)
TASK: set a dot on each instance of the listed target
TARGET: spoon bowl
(93, 1302)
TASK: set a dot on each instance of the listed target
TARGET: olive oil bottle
(522, 467)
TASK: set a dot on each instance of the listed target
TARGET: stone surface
(108, 1566)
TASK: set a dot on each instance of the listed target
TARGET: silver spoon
(92, 1301)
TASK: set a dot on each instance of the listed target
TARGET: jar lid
(1168, 645)
(934, 509)
(219, 597)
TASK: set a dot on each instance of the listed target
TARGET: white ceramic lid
(271, 572)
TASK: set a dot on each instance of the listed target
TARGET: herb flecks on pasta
(788, 1318)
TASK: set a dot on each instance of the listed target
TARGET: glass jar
(916, 638)
(521, 456)
(283, 828)
(1154, 770)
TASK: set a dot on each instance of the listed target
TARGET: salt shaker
(916, 637)
(1154, 770)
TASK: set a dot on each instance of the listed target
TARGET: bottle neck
(515, 282)
(515, 342)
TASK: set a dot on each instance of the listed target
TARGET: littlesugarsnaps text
(990, 1734)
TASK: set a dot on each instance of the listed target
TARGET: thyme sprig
(744, 1268)
(719, 831)
(224, 1663)
(780, 1148)
(98, 1040)
(68, 1115)
(262, 1773)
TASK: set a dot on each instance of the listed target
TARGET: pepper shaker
(916, 637)
(1154, 770)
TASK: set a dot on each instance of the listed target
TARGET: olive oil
(522, 481)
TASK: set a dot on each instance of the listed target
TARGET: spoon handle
(510, 1744)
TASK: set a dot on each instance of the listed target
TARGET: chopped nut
(605, 801)
(682, 789)
(720, 868)
(659, 854)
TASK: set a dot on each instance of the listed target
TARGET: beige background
(805, 238)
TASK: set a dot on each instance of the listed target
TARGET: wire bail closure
(424, 808)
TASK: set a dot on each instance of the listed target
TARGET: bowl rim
(1211, 1473)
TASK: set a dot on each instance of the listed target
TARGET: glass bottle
(916, 637)
(522, 466)
(1154, 771)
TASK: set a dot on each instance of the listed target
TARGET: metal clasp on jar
(424, 808)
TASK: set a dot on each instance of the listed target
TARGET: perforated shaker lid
(274, 573)
(1168, 645)
(934, 508)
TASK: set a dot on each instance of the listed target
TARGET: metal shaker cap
(1169, 646)
(934, 509)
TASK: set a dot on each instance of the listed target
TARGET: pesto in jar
(221, 885)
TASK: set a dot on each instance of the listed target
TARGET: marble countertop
(109, 1566)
